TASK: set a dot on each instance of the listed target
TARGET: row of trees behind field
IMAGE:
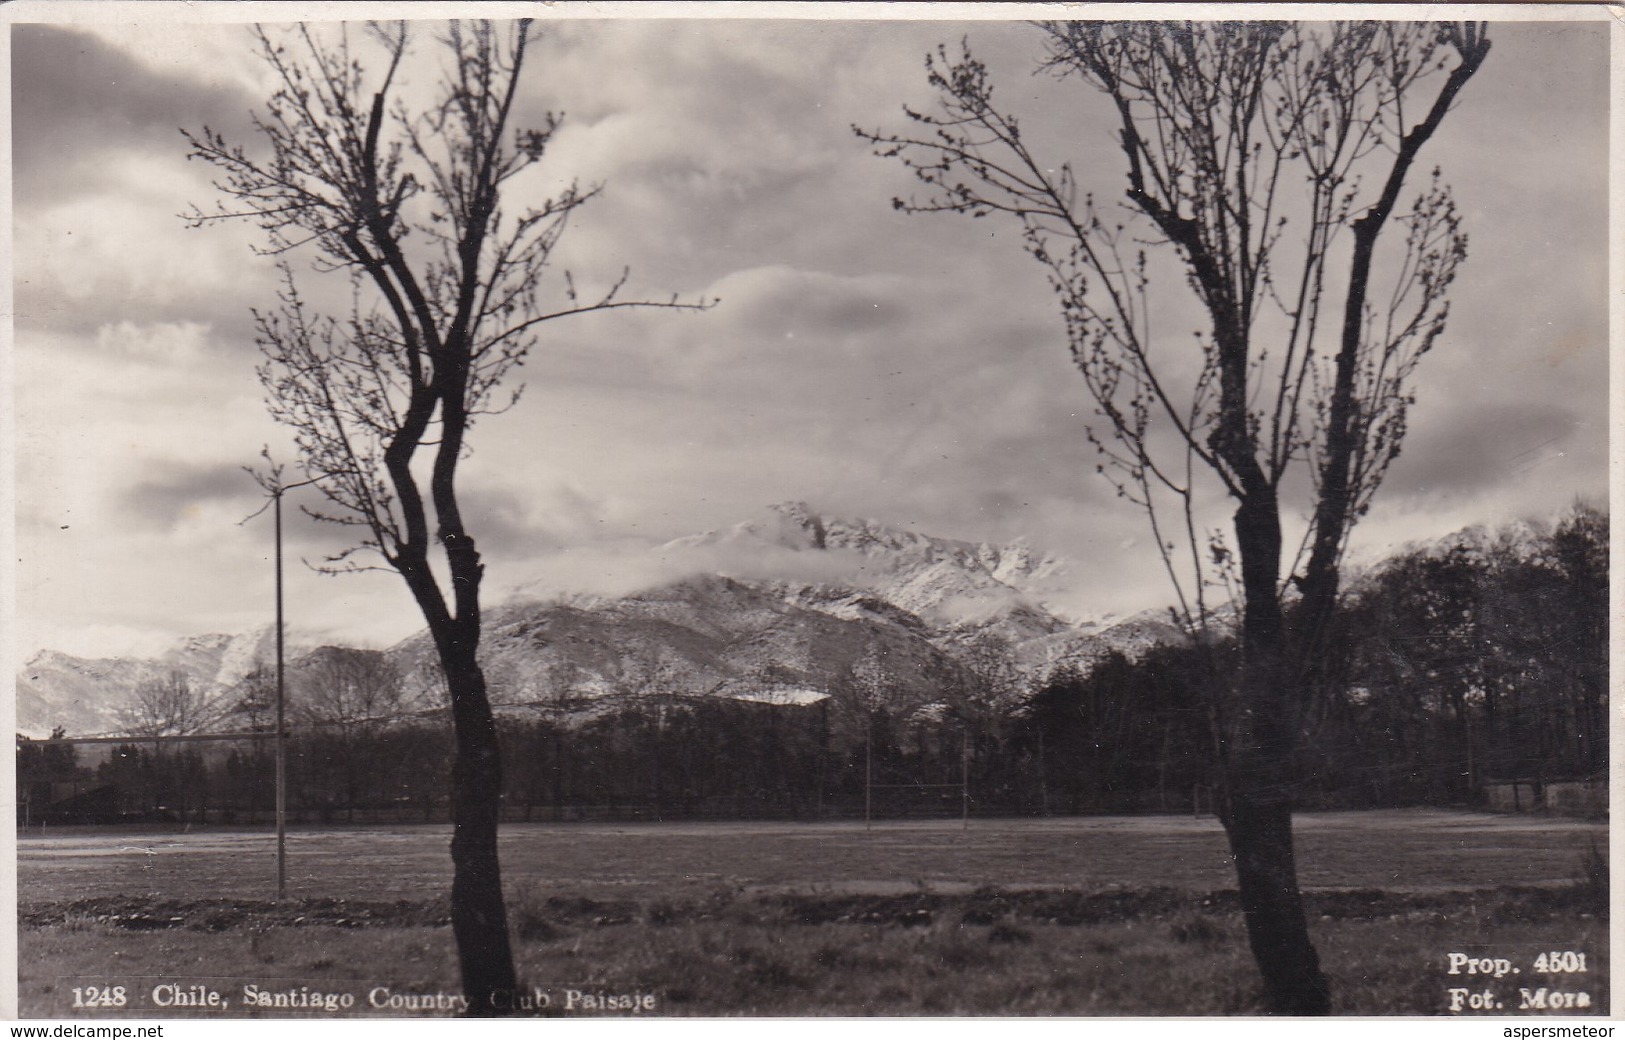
(1481, 658)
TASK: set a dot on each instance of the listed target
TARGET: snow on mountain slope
(916, 614)
(90, 696)
(945, 581)
(707, 636)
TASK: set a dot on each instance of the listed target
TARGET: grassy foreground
(988, 953)
(1125, 917)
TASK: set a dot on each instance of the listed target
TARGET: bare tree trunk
(1259, 827)
(479, 917)
(1259, 778)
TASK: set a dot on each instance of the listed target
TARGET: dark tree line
(1122, 736)
(1482, 659)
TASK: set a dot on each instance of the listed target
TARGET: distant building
(1586, 796)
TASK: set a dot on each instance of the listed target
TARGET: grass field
(1095, 916)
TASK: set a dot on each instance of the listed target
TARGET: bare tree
(354, 691)
(1255, 153)
(253, 699)
(350, 698)
(995, 684)
(446, 299)
(165, 707)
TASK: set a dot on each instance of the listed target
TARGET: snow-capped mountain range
(922, 619)
(89, 696)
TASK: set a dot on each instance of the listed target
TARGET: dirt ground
(1397, 851)
(1078, 916)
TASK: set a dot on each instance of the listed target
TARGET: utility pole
(274, 487)
(281, 743)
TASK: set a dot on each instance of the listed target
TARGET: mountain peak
(947, 580)
(798, 521)
(795, 509)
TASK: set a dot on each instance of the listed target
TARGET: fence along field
(1122, 915)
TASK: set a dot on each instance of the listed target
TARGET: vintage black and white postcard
(671, 511)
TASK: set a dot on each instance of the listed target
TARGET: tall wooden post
(281, 731)
(276, 488)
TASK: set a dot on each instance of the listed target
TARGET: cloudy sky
(909, 369)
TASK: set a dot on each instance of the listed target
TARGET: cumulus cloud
(622, 569)
(99, 258)
(173, 494)
(116, 91)
(180, 342)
